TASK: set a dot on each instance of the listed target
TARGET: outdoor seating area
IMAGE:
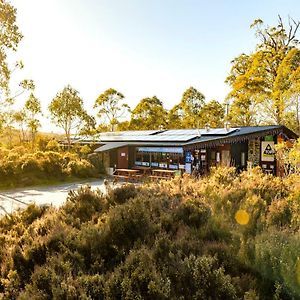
(126, 175)
(158, 174)
(140, 173)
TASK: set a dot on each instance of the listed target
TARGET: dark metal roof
(190, 139)
(114, 145)
(242, 134)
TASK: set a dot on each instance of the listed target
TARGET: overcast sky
(139, 47)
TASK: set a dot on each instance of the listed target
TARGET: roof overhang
(115, 145)
(240, 136)
(110, 146)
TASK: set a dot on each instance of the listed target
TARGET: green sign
(268, 138)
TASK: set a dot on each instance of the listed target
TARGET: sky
(141, 48)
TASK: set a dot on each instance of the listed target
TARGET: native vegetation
(265, 84)
(226, 236)
(18, 167)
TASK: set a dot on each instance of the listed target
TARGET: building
(193, 149)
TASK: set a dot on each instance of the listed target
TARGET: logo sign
(267, 151)
(188, 156)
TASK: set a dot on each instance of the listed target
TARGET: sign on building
(267, 151)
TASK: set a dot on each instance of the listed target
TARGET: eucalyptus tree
(111, 106)
(32, 110)
(259, 81)
(148, 114)
(213, 114)
(191, 104)
(67, 112)
(10, 36)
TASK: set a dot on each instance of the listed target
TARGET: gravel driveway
(55, 195)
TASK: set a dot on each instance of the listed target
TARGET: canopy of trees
(10, 37)
(111, 107)
(67, 112)
(148, 114)
(264, 84)
(265, 89)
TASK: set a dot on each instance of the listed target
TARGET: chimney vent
(227, 126)
(207, 127)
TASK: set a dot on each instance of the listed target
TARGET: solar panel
(173, 135)
(201, 131)
(148, 138)
(129, 133)
(179, 132)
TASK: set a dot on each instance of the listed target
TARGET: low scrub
(226, 236)
(18, 167)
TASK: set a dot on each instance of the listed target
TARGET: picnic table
(126, 174)
(143, 170)
(162, 174)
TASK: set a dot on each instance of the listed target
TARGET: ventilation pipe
(207, 127)
(227, 126)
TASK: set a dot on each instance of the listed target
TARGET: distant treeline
(264, 89)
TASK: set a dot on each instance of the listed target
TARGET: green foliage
(111, 107)
(148, 114)
(193, 213)
(85, 150)
(9, 40)
(53, 145)
(289, 156)
(120, 195)
(18, 167)
(67, 111)
(191, 105)
(264, 84)
(178, 239)
(84, 203)
(32, 109)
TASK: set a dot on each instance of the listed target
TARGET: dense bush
(18, 167)
(179, 239)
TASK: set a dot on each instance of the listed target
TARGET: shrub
(276, 259)
(22, 168)
(84, 203)
(96, 161)
(223, 176)
(53, 145)
(138, 278)
(202, 278)
(31, 165)
(122, 194)
(128, 223)
(52, 164)
(193, 213)
(174, 240)
(85, 150)
(279, 213)
(81, 168)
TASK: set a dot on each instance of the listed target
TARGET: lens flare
(242, 217)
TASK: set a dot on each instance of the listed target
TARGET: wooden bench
(162, 174)
(126, 174)
(121, 176)
(156, 177)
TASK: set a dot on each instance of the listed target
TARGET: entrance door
(123, 158)
(226, 158)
